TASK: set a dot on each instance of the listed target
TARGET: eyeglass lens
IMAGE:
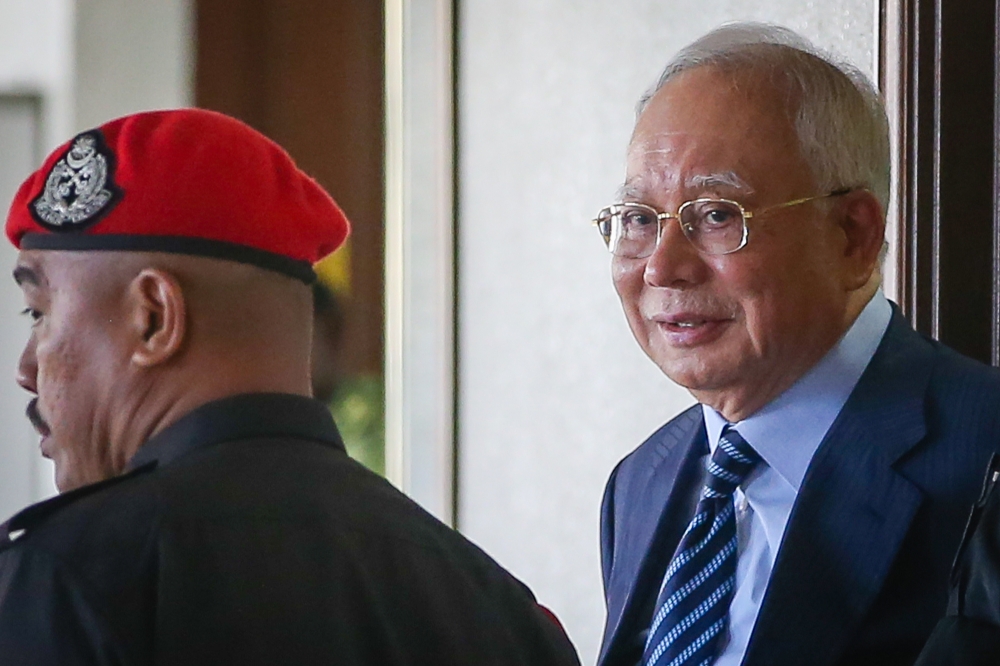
(713, 226)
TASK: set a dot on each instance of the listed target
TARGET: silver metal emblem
(79, 189)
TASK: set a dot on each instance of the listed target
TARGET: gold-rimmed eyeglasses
(713, 226)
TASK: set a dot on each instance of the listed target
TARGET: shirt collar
(787, 431)
(248, 416)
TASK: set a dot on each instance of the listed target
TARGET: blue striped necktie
(692, 609)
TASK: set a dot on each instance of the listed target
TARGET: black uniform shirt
(243, 534)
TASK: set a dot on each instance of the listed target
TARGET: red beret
(187, 181)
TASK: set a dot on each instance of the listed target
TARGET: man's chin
(70, 474)
(693, 371)
(65, 481)
(67, 477)
(702, 380)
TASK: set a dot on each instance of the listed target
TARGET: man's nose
(27, 367)
(675, 262)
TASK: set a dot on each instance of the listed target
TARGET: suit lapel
(645, 540)
(851, 516)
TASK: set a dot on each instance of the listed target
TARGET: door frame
(938, 60)
(420, 266)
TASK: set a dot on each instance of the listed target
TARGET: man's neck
(739, 402)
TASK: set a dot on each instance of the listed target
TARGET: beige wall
(553, 389)
(132, 55)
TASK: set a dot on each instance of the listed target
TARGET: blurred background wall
(131, 55)
(551, 389)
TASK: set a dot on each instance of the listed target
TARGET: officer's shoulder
(61, 516)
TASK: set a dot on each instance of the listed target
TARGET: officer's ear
(158, 317)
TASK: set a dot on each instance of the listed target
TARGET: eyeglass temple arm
(836, 193)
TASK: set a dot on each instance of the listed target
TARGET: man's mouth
(36, 418)
(689, 321)
(689, 329)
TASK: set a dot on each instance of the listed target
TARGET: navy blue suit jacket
(861, 575)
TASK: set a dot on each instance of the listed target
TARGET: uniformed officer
(209, 514)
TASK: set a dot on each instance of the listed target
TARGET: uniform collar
(248, 416)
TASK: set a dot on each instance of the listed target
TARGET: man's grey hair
(838, 115)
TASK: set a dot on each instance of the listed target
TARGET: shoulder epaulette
(15, 529)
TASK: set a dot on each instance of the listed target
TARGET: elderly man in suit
(807, 510)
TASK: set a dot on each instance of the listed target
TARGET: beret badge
(80, 188)
(181, 181)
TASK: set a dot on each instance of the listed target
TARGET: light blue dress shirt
(786, 433)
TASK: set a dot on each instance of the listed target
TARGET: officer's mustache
(36, 418)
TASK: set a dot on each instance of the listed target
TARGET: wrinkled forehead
(701, 134)
(681, 162)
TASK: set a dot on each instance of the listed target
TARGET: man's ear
(862, 222)
(158, 317)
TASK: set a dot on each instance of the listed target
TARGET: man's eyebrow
(25, 275)
(628, 190)
(726, 179)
